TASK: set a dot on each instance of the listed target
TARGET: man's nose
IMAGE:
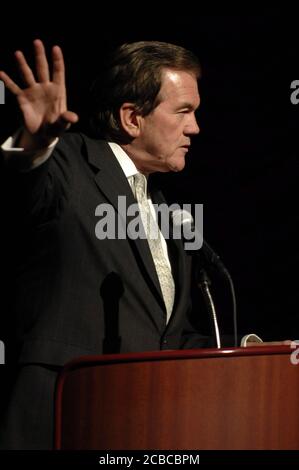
(193, 127)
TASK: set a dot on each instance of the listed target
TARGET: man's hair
(134, 75)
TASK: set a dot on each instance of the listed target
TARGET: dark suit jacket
(76, 294)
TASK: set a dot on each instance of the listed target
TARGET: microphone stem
(203, 283)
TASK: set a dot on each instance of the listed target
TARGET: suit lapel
(112, 182)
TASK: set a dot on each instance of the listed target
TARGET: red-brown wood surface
(199, 399)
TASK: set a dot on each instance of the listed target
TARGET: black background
(243, 166)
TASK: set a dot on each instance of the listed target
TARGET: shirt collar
(127, 165)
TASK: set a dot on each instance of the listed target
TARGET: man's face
(165, 134)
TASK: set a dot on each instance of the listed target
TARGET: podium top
(178, 354)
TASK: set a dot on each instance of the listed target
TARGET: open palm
(43, 100)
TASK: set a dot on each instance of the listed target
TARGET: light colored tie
(153, 235)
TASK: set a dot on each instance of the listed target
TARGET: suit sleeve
(38, 194)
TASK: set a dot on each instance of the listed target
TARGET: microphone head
(183, 223)
(181, 217)
(184, 227)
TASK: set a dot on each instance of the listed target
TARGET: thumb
(70, 117)
(63, 123)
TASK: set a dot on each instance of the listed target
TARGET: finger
(62, 124)
(42, 67)
(269, 343)
(58, 66)
(70, 117)
(9, 83)
(25, 69)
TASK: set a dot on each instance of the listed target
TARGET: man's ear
(130, 119)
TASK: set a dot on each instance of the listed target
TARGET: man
(74, 293)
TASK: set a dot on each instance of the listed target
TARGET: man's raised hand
(43, 100)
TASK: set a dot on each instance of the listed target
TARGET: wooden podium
(239, 398)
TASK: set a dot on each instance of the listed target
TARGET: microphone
(184, 222)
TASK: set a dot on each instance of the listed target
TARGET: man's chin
(177, 166)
